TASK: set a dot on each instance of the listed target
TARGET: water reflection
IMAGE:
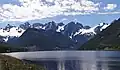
(79, 65)
(93, 61)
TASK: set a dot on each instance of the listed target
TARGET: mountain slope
(108, 39)
(43, 40)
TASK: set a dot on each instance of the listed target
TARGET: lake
(73, 60)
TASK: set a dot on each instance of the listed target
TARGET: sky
(87, 12)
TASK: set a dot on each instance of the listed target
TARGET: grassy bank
(10, 63)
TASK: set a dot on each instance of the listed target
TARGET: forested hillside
(108, 39)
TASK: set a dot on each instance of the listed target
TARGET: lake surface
(73, 60)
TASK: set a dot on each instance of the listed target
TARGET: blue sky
(88, 12)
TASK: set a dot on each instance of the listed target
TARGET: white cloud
(110, 6)
(115, 12)
(38, 9)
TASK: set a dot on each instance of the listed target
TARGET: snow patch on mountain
(85, 31)
(60, 28)
(91, 30)
(5, 39)
(104, 27)
(14, 31)
(39, 27)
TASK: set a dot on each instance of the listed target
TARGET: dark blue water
(73, 60)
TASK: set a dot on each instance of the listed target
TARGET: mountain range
(49, 36)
